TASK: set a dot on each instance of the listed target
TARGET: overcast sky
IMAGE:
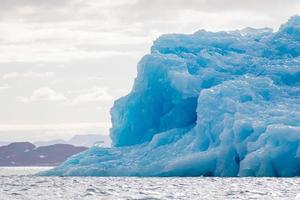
(63, 62)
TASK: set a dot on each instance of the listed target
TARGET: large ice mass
(207, 104)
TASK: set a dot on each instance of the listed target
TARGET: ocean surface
(20, 183)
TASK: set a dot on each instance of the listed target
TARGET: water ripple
(98, 188)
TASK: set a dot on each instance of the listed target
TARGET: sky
(64, 62)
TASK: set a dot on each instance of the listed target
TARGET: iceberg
(207, 104)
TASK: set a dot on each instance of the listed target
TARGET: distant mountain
(50, 142)
(80, 140)
(27, 154)
(89, 140)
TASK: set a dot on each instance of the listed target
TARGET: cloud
(93, 95)
(38, 74)
(51, 31)
(214, 5)
(10, 75)
(14, 75)
(43, 94)
(3, 87)
(49, 127)
(41, 132)
(8, 6)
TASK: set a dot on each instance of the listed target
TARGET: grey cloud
(135, 11)
(156, 12)
(28, 75)
(215, 5)
(7, 5)
(43, 94)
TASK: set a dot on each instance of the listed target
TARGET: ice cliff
(209, 103)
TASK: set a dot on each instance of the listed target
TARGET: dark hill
(27, 154)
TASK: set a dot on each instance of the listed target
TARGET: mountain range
(79, 140)
(27, 154)
(47, 153)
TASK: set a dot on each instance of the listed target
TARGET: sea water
(22, 184)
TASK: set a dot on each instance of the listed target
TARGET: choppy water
(20, 184)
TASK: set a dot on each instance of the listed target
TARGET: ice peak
(293, 22)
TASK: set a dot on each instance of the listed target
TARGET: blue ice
(207, 104)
